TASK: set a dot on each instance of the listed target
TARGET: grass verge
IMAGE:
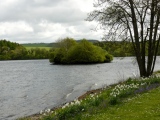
(134, 99)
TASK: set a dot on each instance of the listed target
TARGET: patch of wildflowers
(75, 102)
(124, 89)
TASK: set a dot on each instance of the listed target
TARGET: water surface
(28, 86)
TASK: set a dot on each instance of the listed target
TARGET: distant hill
(35, 44)
(50, 44)
(90, 40)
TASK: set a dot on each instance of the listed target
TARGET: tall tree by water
(134, 20)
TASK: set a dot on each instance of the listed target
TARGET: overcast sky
(34, 21)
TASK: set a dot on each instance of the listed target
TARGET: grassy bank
(133, 99)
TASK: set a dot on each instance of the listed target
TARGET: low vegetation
(15, 51)
(84, 52)
(120, 48)
(117, 48)
(67, 51)
(133, 99)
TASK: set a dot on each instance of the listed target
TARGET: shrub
(108, 57)
(82, 53)
(69, 52)
(59, 55)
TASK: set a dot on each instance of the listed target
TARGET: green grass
(134, 99)
(140, 107)
(29, 46)
(47, 48)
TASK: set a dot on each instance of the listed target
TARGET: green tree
(137, 20)
(66, 43)
(86, 52)
(19, 53)
(83, 52)
(60, 55)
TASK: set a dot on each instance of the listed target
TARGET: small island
(83, 52)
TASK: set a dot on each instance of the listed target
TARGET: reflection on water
(32, 85)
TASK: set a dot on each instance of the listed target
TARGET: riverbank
(35, 85)
(44, 113)
(100, 100)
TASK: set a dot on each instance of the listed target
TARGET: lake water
(28, 86)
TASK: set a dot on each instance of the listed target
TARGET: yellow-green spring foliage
(84, 52)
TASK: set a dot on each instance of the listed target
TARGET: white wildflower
(41, 112)
(77, 102)
(44, 114)
(72, 103)
(63, 107)
(47, 110)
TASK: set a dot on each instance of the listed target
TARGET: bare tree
(135, 20)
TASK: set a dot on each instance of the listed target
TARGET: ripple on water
(32, 85)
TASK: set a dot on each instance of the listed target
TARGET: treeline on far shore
(14, 51)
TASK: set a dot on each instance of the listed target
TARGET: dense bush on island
(84, 52)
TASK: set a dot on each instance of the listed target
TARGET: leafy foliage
(15, 51)
(70, 52)
(117, 48)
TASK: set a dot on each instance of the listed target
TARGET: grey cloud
(34, 12)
